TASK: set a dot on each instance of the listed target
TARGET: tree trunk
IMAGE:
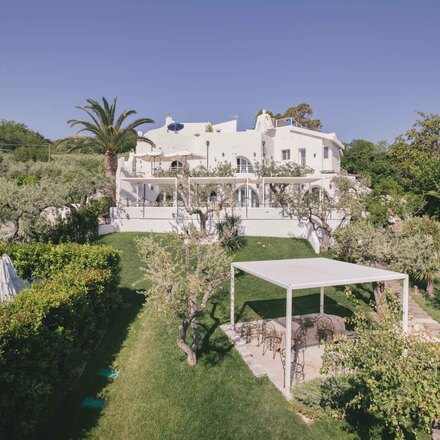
(378, 290)
(110, 168)
(430, 288)
(191, 355)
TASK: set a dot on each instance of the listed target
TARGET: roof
(304, 273)
(328, 136)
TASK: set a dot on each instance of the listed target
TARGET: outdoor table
(337, 321)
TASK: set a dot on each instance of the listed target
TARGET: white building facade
(176, 145)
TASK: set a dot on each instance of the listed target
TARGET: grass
(158, 396)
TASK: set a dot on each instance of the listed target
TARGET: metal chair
(271, 340)
(325, 329)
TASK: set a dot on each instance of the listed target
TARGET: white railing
(245, 169)
(283, 122)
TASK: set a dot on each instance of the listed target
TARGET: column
(288, 349)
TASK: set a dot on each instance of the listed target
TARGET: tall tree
(303, 114)
(107, 130)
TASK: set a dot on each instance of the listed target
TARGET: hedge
(48, 330)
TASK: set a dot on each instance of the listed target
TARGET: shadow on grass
(71, 420)
(301, 305)
(215, 345)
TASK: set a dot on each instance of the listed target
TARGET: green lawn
(157, 396)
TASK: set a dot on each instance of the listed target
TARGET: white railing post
(321, 300)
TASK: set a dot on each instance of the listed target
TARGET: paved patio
(271, 364)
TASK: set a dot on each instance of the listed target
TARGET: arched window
(252, 197)
(176, 165)
(244, 165)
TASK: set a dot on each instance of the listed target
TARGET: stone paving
(421, 321)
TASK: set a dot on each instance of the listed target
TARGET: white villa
(142, 207)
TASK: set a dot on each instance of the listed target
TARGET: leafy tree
(35, 154)
(417, 250)
(14, 134)
(412, 246)
(28, 189)
(394, 376)
(317, 206)
(205, 200)
(185, 272)
(108, 133)
(303, 114)
(288, 169)
(369, 160)
(417, 153)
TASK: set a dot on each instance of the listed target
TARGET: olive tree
(184, 272)
(317, 206)
(203, 200)
(27, 189)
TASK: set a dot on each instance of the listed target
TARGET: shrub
(393, 376)
(230, 233)
(35, 154)
(48, 330)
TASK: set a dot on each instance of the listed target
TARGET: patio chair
(325, 329)
(299, 343)
(249, 331)
(271, 340)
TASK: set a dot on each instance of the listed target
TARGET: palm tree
(107, 131)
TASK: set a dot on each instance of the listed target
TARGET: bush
(34, 154)
(230, 233)
(48, 330)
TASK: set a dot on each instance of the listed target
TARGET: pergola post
(405, 303)
(288, 348)
(321, 300)
(232, 293)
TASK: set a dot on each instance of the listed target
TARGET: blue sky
(364, 66)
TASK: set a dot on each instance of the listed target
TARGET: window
(285, 154)
(325, 152)
(176, 165)
(302, 157)
(244, 165)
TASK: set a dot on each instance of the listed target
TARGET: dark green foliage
(34, 154)
(14, 135)
(47, 331)
(230, 233)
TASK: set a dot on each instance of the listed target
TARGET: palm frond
(138, 122)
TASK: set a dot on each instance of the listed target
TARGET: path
(420, 320)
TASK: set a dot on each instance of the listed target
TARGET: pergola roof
(304, 273)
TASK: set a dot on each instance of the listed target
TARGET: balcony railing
(245, 169)
(283, 122)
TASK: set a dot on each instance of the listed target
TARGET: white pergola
(308, 273)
